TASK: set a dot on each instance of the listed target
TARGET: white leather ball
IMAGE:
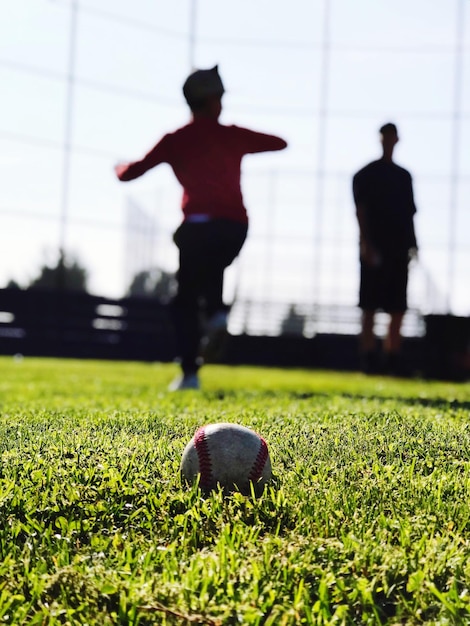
(229, 455)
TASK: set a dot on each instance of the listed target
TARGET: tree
(67, 274)
(293, 323)
(154, 283)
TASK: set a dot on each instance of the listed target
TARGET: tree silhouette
(154, 283)
(67, 274)
(293, 323)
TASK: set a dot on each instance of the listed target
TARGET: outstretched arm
(268, 143)
(130, 171)
(253, 141)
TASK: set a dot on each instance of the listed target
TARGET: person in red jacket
(206, 159)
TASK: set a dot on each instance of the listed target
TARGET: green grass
(367, 519)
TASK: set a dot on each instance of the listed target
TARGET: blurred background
(88, 83)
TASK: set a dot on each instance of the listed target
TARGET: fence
(40, 322)
(346, 76)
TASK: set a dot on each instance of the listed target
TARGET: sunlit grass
(367, 519)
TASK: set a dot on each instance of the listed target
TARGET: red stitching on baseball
(258, 465)
(202, 449)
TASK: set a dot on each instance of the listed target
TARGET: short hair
(389, 127)
(202, 84)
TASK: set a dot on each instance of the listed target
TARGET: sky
(86, 84)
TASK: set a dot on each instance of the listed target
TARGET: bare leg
(368, 344)
(393, 340)
(367, 335)
(394, 364)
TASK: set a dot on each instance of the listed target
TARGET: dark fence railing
(39, 322)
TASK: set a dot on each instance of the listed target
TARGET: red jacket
(206, 159)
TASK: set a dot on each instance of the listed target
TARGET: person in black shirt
(385, 208)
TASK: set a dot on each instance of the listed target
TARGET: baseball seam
(258, 465)
(204, 457)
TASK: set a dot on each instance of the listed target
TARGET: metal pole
(455, 153)
(270, 236)
(192, 34)
(67, 149)
(321, 151)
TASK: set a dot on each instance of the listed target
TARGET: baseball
(228, 455)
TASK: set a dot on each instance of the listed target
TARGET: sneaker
(185, 381)
(217, 322)
(213, 344)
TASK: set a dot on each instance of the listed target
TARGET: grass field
(367, 519)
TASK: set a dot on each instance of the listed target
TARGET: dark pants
(206, 249)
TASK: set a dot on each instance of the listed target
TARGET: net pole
(321, 157)
(192, 34)
(455, 152)
(67, 147)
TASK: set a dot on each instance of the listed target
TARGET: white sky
(387, 60)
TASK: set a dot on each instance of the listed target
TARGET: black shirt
(385, 191)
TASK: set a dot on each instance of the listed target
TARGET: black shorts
(385, 286)
(205, 250)
(215, 242)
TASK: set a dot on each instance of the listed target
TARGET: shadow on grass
(435, 403)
